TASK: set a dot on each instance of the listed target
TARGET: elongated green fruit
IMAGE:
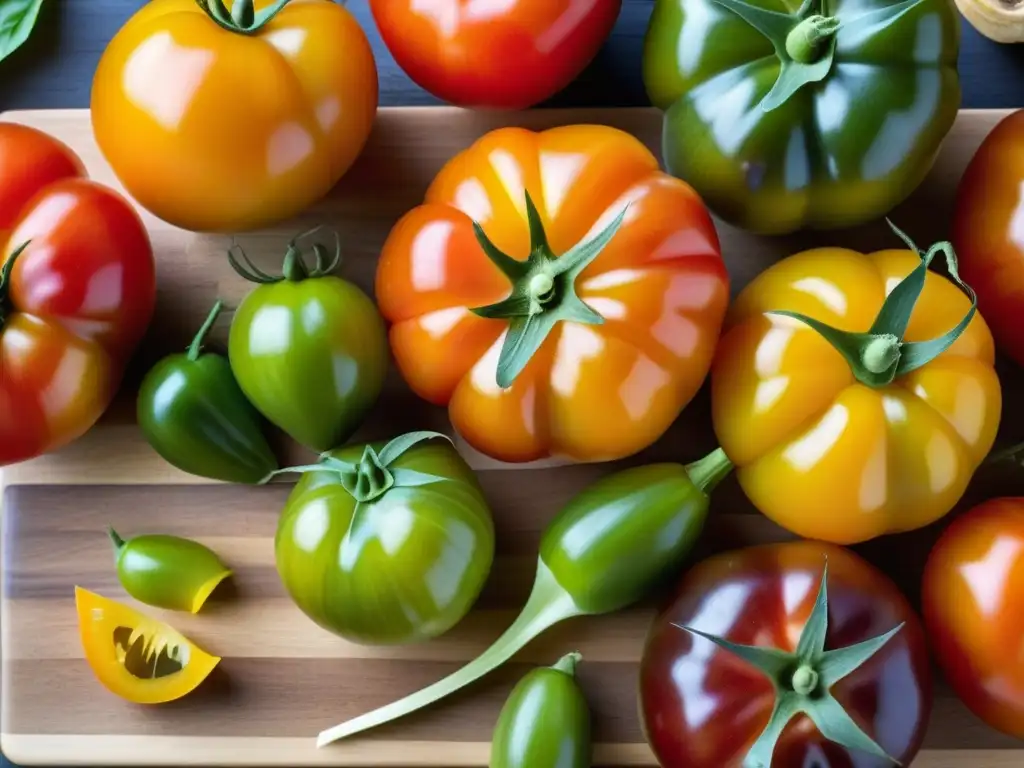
(608, 548)
(545, 722)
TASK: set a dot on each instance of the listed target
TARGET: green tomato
(310, 351)
(788, 115)
(386, 545)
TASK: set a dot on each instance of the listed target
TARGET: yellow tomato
(215, 128)
(824, 454)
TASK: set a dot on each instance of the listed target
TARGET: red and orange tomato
(494, 53)
(972, 594)
(593, 390)
(77, 292)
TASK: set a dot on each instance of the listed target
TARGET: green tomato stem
(5, 281)
(567, 664)
(548, 604)
(197, 343)
(708, 472)
(243, 13)
(117, 541)
(294, 269)
(242, 19)
(806, 42)
(881, 353)
(805, 680)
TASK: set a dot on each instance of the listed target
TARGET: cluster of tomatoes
(563, 296)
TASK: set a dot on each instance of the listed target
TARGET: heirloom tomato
(137, 657)
(386, 544)
(308, 348)
(233, 117)
(494, 53)
(855, 392)
(795, 654)
(816, 114)
(77, 291)
(971, 598)
(988, 220)
(557, 292)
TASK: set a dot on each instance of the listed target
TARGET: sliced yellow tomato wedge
(137, 657)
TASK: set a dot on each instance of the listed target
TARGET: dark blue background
(54, 69)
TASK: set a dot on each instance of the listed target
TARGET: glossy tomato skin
(660, 285)
(972, 593)
(801, 429)
(987, 221)
(495, 53)
(212, 130)
(311, 356)
(701, 707)
(80, 296)
(402, 568)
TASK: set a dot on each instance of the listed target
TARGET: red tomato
(507, 54)
(75, 302)
(703, 707)
(988, 231)
(972, 596)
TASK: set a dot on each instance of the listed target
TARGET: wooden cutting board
(283, 679)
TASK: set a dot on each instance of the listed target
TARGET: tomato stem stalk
(196, 347)
(547, 605)
(294, 267)
(115, 539)
(567, 664)
(880, 354)
(708, 472)
(803, 680)
(806, 42)
(243, 18)
(543, 291)
(5, 281)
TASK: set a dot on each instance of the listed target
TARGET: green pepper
(168, 571)
(386, 544)
(609, 547)
(821, 117)
(193, 413)
(308, 348)
(545, 722)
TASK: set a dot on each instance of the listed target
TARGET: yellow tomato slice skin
(99, 617)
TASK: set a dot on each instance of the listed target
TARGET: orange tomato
(988, 222)
(972, 593)
(137, 657)
(601, 384)
(818, 451)
(213, 129)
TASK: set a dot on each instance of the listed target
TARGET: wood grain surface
(283, 679)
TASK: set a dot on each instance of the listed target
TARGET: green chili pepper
(194, 414)
(168, 571)
(545, 722)
(610, 546)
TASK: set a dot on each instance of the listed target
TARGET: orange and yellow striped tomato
(595, 388)
(823, 454)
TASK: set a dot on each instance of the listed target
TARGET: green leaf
(894, 316)
(395, 448)
(770, 661)
(538, 237)
(411, 478)
(838, 663)
(575, 310)
(772, 24)
(837, 726)
(525, 336)
(17, 19)
(514, 306)
(513, 269)
(787, 706)
(811, 644)
(576, 259)
(850, 345)
(793, 76)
